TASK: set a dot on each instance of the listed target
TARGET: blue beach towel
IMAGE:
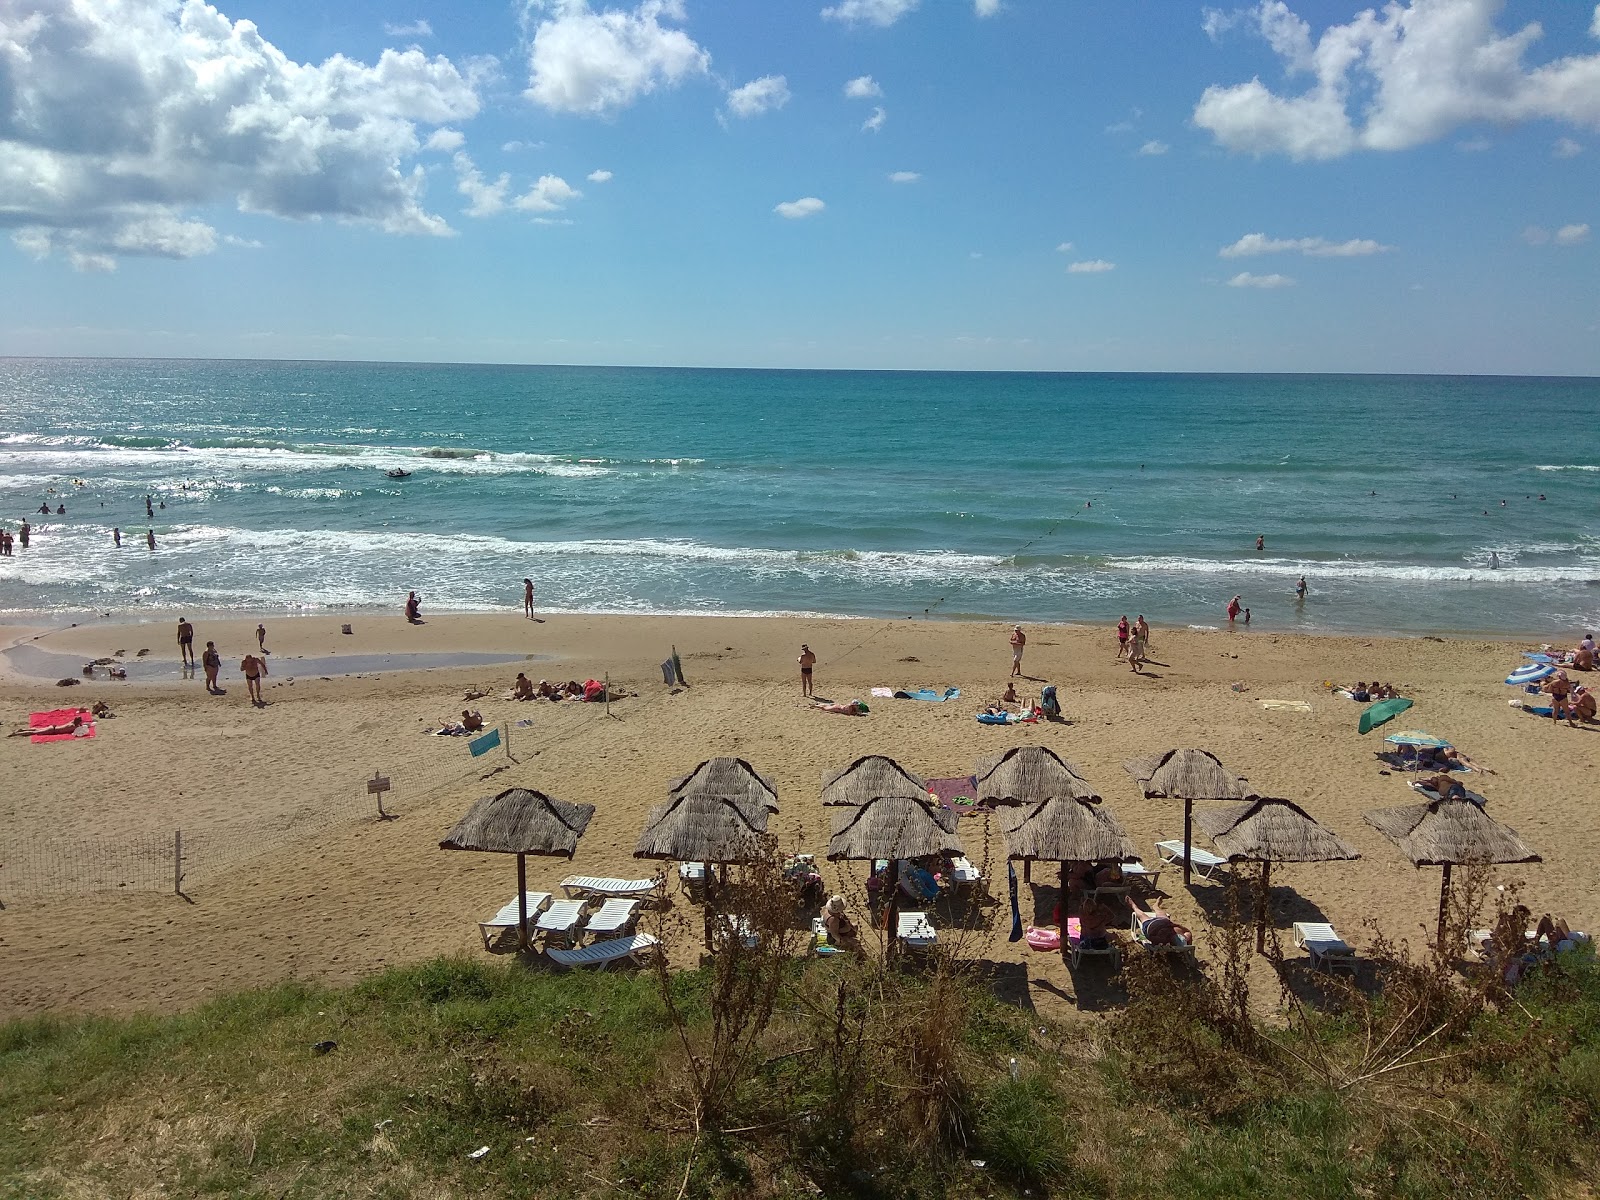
(484, 744)
(930, 695)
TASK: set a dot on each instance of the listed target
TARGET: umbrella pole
(1188, 836)
(891, 927)
(522, 901)
(1261, 906)
(1444, 902)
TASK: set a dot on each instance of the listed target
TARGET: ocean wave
(1567, 467)
(1388, 572)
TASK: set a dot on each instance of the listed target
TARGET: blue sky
(950, 184)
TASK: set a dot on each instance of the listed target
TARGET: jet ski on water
(397, 473)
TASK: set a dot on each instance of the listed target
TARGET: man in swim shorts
(808, 660)
(253, 668)
(1018, 641)
(186, 641)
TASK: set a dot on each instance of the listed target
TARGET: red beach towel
(960, 793)
(61, 716)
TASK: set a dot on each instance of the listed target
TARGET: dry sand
(329, 893)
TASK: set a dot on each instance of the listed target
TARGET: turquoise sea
(1037, 497)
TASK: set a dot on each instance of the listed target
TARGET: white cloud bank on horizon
(758, 96)
(1413, 72)
(1312, 247)
(117, 118)
(882, 13)
(1244, 279)
(596, 64)
(795, 210)
(1093, 266)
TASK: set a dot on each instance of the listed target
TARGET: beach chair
(692, 875)
(1323, 943)
(509, 914)
(963, 874)
(592, 886)
(1136, 928)
(1077, 951)
(916, 932)
(1202, 862)
(634, 949)
(614, 916)
(1110, 891)
(560, 920)
(738, 925)
(1137, 872)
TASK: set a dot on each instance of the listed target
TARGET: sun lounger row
(563, 919)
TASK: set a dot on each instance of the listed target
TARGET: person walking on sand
(261, 638)
(1018, 641)
(808, 660)
(212, 662)
(1122, 637)
(1234, 609)
(1142, 628)
(186, 641)
(527, 598)
(1136, 651)
(253, 668)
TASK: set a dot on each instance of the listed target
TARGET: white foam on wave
(1389, 572)
(1567, 467)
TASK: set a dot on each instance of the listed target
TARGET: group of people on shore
(253, 666)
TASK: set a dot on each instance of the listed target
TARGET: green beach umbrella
(1383, 710)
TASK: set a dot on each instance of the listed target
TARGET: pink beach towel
(61, 716)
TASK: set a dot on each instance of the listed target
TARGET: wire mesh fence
(40, 869)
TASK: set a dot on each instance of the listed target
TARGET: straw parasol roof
(703, 828)
(1187, 775)
(733, 777)
(521, 821)
(1449, 832)
(1269, 830)
(869, 777)
(893, 827)
(1065, 829)
(1029, 773)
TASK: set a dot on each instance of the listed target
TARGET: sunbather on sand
(1444, 785)
(523, 688)
(1582, 706)
(841, 929)
(71, 726)
(853, 708)
(1094, 922)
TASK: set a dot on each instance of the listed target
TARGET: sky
(1057, 185)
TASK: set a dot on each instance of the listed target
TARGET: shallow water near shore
(1030, 497)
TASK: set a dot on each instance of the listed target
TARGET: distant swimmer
(163, 504)
(116, 535)
(527, 597)
(150, 538)
(44, 509)
(1300, 589)
(1502, 504)
(1541, 495)
(1261, 541)
(1494, 561)
(24, 533)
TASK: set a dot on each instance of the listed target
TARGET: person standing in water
(116, 536)
(527, 598)
(150, 538)
(24, 533)
(1494, 557)
(1234, 609)
(1261, 541)
(1300, 589)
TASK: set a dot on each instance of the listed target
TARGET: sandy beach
(304, 881)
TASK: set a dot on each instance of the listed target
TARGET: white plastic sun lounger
(560, 919)
(1326, 948)
(508, 915)
(1136, 927)
(591, 885)
(692, 874)
(636, 948)
(964, 874)
(1202, 862)
(916, 931)
(614, 917)
(1136, 871)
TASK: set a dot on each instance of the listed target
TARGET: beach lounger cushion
(1322, 942)
(593, 885)
(1203, 862)
(509, 914)
(614, 916)
(634, 948)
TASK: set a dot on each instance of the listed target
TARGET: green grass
(576, 1084)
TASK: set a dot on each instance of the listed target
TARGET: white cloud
(1411, 73)
(986, 8)
(597, 64)
(1093, 266)
(1246, 280)
(119, 117)
(1065, 248)
(1572, 235)
(418, 28)
(759, 96)
(1313, 247)
(1594, 25)
(243, 243)
(600, 176)
(794, 210)
(513, 147)
(1566, 148)
(904, 176)
(882, 13)
(875, 122)
(484, 199)
(1153, 148)
(551, 194)
(445, 140)
(862, 87)
(1535, 235)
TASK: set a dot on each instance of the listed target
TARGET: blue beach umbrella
(1532, 673)
(1417, 739)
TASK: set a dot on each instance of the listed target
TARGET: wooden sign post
(377, 786)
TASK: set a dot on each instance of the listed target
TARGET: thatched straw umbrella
(733, 777)
(1268, 831)
(1449, 832)
(703, 828)
(521, 821)
(892, 827)
(1027, 775)
(1187, 775)
(869, 777)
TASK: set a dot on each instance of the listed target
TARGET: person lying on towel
(71, 726)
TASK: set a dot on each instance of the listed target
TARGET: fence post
(177, 862)
(505, 740)
(608, 693)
